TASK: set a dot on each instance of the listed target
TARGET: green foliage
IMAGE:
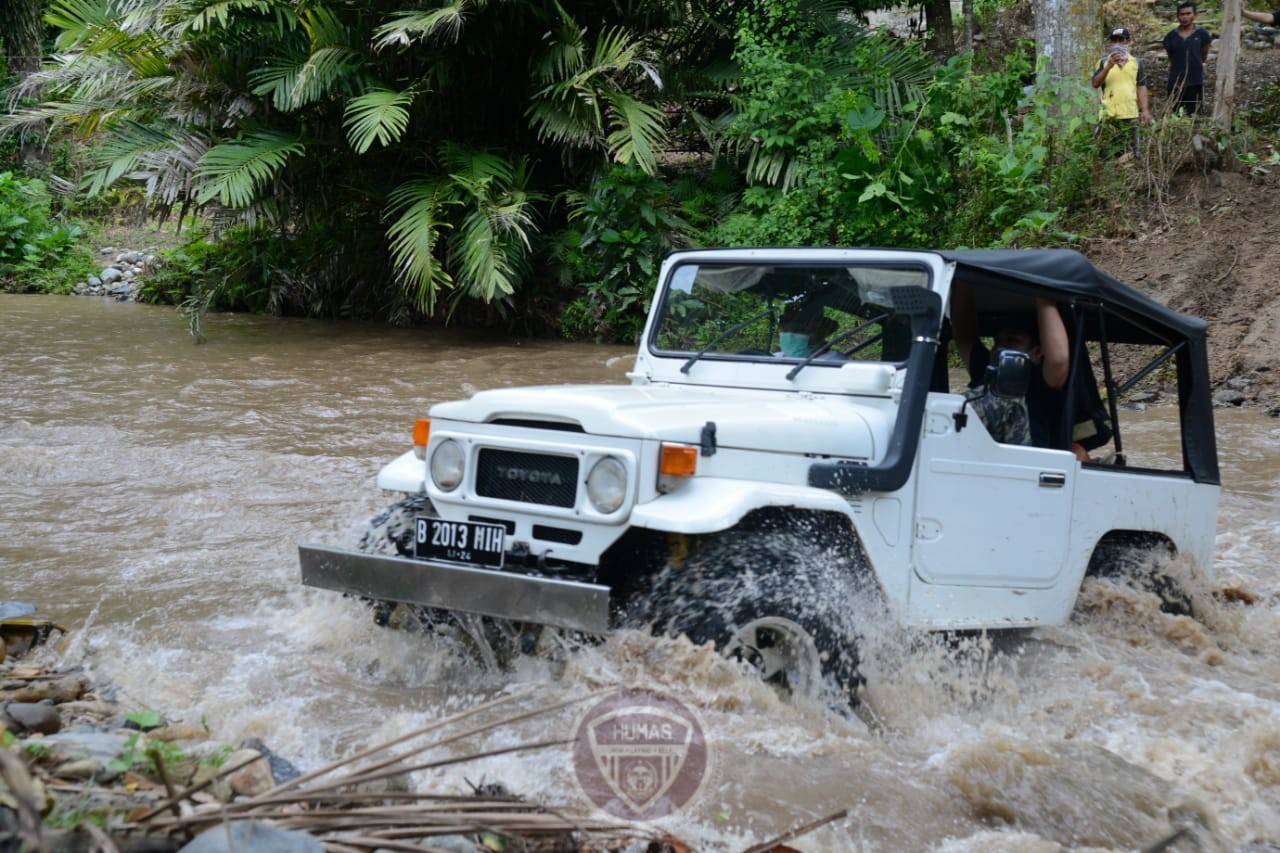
(383, 129)
(619, 231)
(38, 750)
(1263, 112)
(36, 252)
(1022, 159)
(142, 754)
(880, 155)
(144, 719)
(825, 126)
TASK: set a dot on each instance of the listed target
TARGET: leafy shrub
(1023, 158)
(828, 128)
(619, 230)
(36, 252)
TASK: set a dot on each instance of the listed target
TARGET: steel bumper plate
(545, 601)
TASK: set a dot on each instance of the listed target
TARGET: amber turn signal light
(678, 460)
(421, 432)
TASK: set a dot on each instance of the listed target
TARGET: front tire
(774, 598)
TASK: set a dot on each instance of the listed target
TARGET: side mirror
(1010, 376)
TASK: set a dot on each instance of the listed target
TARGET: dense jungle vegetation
(522, 163)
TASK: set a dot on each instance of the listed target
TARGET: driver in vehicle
(1042, 337)
(803, 330)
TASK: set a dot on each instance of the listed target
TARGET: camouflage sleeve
(1005, 418)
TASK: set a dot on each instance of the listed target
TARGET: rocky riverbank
(121, 274)
(79, 773)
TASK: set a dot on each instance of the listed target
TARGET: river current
(153, 493)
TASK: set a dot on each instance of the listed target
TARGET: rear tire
(1137, 559)
(773, 599)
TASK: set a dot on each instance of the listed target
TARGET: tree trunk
(942, 40)
(1224, 93)
(966, 11)
(1069, 34)
(23, 21)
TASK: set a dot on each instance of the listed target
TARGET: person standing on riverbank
(1188, 47)
(1123, 81)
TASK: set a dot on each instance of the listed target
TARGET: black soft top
(1135, 317)
(1115, 313)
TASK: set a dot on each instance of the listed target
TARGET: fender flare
(712, 504)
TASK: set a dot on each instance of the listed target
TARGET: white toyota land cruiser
(755, 498)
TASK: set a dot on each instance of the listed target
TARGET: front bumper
(544, 601)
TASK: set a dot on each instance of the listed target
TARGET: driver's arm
(1054, 346)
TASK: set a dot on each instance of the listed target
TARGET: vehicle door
(988, 514)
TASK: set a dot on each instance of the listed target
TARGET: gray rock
(38, 717)
(1228, 397)
(282, 770)
(86, 769)
(1238, 383)
(77, 743)
(252, 837)
(94, 281)
(111, 274)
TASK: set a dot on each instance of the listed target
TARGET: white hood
(831, 425)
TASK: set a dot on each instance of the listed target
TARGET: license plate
(459, 542)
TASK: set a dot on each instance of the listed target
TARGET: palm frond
(485, 266)
(492, 241)
(79, 19)
(380, 116)
(297, 79)
(123, 152)
(476, 171)
(419, 209)
(640, 132)
(406, 28)
(592, 105)
(232, 172)
(219, 13)
(565, 49)
(324, 69)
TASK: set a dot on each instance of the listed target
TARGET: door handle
(1052, 480)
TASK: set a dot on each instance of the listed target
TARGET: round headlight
(447, 463)
(607, 484)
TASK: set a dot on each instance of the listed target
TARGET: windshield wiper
(727, 333)
(843, 336)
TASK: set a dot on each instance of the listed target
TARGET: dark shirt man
(1188, 47)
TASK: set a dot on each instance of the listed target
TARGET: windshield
(823, 315)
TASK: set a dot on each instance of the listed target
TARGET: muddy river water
(153, 493)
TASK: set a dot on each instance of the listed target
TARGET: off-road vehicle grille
(533, 478)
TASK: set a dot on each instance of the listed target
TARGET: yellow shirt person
(1123, 81)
